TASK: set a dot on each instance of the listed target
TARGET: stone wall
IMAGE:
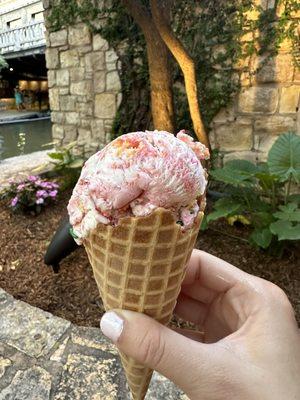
(84, 87)
(266, 106)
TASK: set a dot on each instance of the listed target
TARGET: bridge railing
(22, 38)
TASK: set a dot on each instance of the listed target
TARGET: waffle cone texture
(139, 265)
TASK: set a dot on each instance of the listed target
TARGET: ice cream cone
(139, 265)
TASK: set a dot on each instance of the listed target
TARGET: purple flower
(41, 193)
(32, 178)
(14, 201)
(21, 186)
(44, 185)
(53, 193)
(39, 201)
(55, 185)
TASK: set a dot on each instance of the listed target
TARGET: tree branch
(186, 64)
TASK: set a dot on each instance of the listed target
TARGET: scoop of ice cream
(135, 174)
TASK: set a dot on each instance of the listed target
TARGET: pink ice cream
(135, 174)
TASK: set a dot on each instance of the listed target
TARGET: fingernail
(111, 325)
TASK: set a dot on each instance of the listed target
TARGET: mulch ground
(72, 293)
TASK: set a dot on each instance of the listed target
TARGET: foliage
(30, 195)
(3, 63)
(66, 164)
(262, 194)
(220, 36)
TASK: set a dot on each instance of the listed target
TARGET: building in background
(22, 44)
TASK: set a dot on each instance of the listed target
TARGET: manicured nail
(111, 325)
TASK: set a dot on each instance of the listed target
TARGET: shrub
(261, 194)
(30, 195)
(67, 165)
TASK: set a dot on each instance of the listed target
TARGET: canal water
(24, 137)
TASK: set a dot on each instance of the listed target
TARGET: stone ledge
(47, 358)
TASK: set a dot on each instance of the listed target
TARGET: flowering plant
(31, 194)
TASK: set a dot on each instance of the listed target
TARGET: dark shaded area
(73, 293)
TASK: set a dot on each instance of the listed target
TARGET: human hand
(251, 348)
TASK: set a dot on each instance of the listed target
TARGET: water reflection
(24, 137)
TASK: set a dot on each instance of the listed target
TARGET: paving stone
(162, 389)
(4, 363)
(59, 352)
(29, 329)
(89, 378)
(92, 338)
(32, 384)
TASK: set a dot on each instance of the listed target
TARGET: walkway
(43, 357)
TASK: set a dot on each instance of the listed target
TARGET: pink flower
(41, 193)
(21, 186)
(32, 178)
(53, 193)
(14, 201)
(39, 201)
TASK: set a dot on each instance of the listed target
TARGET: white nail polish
(112, 325)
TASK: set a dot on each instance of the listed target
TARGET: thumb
(185, 362)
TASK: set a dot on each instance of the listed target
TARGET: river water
(24, 137)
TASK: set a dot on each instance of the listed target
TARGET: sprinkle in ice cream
(135, 174)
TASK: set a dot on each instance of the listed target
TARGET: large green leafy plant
(262, 194)
(66, 164)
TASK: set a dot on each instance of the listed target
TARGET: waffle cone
(139, 265)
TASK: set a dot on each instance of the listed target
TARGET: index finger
(212, 272)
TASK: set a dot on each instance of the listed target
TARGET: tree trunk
(159, 68)
(185, 62)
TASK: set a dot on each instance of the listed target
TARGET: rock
(234, 136)
(63, 90)
(81, 88)
(77, 74)
(79, 35)
(273, 124)
(278, 69)
(105, 105)
(4, 363)
(72, 118)
(110, 56)
(69, 58)
(58, 353)
(57, 132)
(84, 136)
(93, 338)
(29, 329)
(58, 38)
(62, 77)
(99, 81)
(54, 99)
(258, 100)
(5, 298)
(86, 377)
(34, 383)
(98, 130)
(241, 155)
(57, 117)
(99, 43)
(224, 115)
(52, 60)
(70, 133)
(289, 100)
(51, 78)
(113, 81)
(263, 145)
(162, 389)
(85, 108)
(67, 103)
(94, 61)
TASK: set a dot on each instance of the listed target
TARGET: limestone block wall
(84, 87)
(266, 106)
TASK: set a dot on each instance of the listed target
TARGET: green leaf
(223, 208)
(78, 163)
(229, 176)
(285, 230)
(242, 166)
(262, 219)
(204, 223)
(261, 237)
(56, 156)
(294, 198)
(284, 157)
(288, 212)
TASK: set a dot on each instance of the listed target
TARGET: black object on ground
(62, 244)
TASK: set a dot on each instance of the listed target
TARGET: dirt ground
(72, 293)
